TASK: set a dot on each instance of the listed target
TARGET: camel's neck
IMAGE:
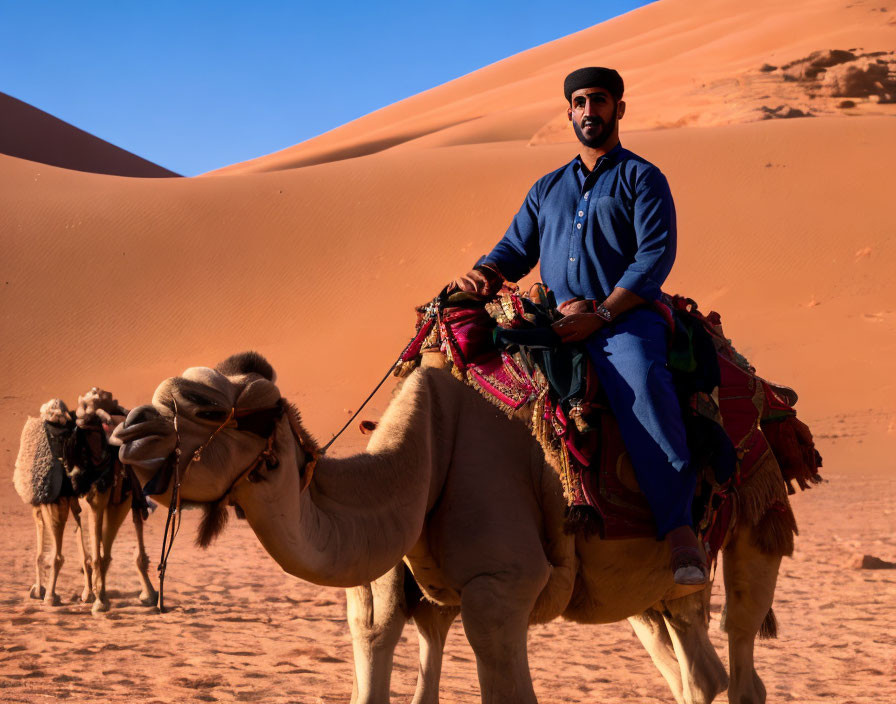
(360, 514)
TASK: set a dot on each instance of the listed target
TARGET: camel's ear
(247, 363)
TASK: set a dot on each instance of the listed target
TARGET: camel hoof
(149, 598)
(87, 597)
(52, 600)
(37, 592)
(100, 607)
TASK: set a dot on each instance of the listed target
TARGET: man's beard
(602, 136)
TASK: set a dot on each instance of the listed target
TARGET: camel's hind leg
(148, 595)
(54, 517)
(376, 613)
(677, 640)
(703, 675)
(650, 627)
(38, 590)
(113, 517)
(432, 623)
(750, 577)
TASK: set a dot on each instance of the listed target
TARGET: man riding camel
(603, 226)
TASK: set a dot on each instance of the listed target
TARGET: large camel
(469, 502)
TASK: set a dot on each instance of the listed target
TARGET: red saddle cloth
(597, 475)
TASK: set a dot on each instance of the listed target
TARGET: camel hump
(247, 363)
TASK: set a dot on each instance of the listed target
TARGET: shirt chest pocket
(614, 215)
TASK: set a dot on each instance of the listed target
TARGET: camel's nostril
(141, 414)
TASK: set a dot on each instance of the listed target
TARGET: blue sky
(196, 85)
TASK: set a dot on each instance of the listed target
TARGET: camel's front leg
(432, 623)
(83, 553)
(54, 516)
(97, 503)
(148, 595)
(377, 613)
(750, 577)
(113, 517)
(495, 613)
(38, 590)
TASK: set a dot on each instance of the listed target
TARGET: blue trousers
(630, 358)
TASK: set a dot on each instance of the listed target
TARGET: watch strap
(602, 311)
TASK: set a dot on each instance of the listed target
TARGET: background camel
(108, 491)
(83, 465)
(486, 537)
(40, 480)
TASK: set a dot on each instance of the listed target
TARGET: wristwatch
(603, 312)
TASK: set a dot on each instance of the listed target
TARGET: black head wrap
(594, 77)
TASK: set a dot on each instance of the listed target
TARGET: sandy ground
(239, 629)
(315, 256)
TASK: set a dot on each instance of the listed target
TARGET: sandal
(688, 561)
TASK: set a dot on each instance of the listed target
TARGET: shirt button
(581, 213)
(578, 226)
(572, 259)
(587, 194)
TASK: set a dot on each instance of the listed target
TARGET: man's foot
(688, 560)
(689, 574)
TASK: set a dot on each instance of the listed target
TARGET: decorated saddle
(747, 445)
(99, 468)
(41, 471)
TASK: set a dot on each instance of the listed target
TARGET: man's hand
(578, 326)
(575, 305)
(481, 280)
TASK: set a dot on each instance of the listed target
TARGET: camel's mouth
(146, 438)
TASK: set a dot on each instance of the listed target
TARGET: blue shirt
(614, 226)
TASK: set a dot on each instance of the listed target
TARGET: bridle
(250, 421)
(267, 455)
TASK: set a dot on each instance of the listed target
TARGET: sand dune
(685, 62)
(315, 256)
(29, 133)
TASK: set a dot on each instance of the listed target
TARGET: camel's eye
(198, 399)
(212, 415)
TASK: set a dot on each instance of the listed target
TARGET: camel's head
(55, 411)
(98, 408)
(224, 418)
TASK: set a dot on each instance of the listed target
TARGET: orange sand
(315, 255)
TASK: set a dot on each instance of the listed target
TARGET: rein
(432, 309)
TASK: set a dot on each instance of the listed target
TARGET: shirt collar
(612, 156)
